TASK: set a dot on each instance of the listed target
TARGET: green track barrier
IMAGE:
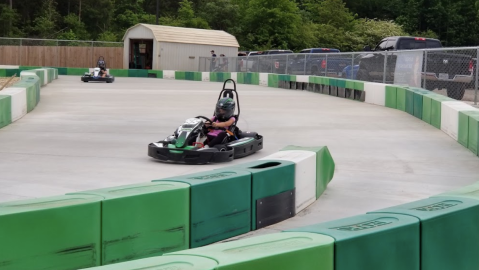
(61, 232)
(11, 72)
(63, 71)
(359, 85)
(220, 205)
(177, 262)
(248, 78)
(324, 165)
(195, 76)
(5, 111)
(409, 101)
(118, 72)
(51, 74)
(32, 86)
(278, 251)
(391, 96)
(470, 192)
(77, 71)
(219, 76)
(449, 232)
(3, 73)
(473, 140)
(138, 73)
(463, 132)
(273, 80)
(401, 98)
(426, 109)
(268, 178)
(143, 220)
(372, 241)
(155, 73)
(436, 101)
(180, 75)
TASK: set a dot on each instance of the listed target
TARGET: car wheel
(456, 90)
(363, 75)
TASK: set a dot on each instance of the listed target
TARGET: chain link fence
(448, 71)
(59, 53)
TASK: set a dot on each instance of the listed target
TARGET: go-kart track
(88, 136)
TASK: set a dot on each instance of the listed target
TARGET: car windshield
(254, 53)
(279, 52)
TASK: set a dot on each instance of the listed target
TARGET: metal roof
(189, 35)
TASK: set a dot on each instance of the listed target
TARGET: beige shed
(160, 47)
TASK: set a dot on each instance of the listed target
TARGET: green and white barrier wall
(175, 214)
(21, 98)
(125, 225)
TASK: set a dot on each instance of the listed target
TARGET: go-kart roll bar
(232, 93)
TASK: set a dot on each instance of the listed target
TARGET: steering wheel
(210, 121)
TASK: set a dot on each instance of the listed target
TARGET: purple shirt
(215, 132)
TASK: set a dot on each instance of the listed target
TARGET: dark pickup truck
(274, 61)
(315, 61)
(452, 71)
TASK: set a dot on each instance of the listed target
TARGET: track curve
(91, 135)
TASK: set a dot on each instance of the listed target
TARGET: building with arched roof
(174, 48)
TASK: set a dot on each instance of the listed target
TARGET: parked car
(315, 61)
(247, 62)
(274, 61)
(451, 71)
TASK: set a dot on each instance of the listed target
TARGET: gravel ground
(4, 80)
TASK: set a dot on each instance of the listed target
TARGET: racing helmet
(225, 108)
(101, 62)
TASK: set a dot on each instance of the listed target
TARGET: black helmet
(225, 108)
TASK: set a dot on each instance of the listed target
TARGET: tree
(45, 23)
(187, 18)
(221, 14)
(370, 32)
(9, 19)
(270, 24)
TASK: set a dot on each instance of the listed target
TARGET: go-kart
(186, 144)
(95, 76)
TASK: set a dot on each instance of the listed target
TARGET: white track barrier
(263, 79)
(19, 101)
(169, 74)
(305, 175)
(450, 116)
(205, 76)
(375, 93)
(302, 78)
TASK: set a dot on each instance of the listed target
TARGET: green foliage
(370, 32)
(270, 24)
(257, 24)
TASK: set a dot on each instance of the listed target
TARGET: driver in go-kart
(223, 118)
(102, 65)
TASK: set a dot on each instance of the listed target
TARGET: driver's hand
(214, 124)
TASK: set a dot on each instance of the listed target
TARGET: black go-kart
(187, 143)
(96, 75)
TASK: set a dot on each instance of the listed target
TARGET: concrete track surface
(85, 136)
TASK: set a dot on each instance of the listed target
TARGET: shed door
(141, 54)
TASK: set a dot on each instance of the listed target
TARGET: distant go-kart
(96, 75)
(187, 143)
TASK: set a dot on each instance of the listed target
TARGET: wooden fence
(60, 56)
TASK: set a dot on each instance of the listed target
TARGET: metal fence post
(305, 56)
(58, 54)
(326, 67)
(352, 66)
(425, 69)
(475, 83)
(20, 62)
(385, 66)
